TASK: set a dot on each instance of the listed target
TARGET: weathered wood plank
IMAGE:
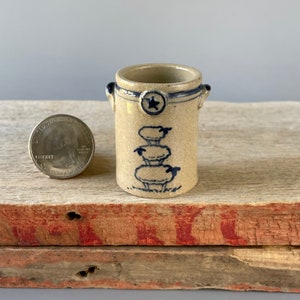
(248, 192)
(150, 224)
(231, 268)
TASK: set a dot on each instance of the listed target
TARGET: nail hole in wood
(72, 215)
(85, 273)
(82, 274)
(92, 269)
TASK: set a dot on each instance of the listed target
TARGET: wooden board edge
(274, 269)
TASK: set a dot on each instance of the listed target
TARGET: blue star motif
(152, 103)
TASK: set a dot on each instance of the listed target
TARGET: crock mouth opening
(159, 74)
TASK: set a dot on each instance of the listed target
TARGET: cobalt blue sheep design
(154, 174)
(153, 134)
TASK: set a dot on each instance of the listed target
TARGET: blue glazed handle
(110, 94)
(203, 95)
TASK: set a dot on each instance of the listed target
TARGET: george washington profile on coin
(61, 146)
(63, 142)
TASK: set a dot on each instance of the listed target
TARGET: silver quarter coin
(61, 146)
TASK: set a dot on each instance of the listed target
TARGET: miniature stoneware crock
(156, 124)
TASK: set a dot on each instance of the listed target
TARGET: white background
(70, 49)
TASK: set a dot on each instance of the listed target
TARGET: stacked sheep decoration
(154, 174)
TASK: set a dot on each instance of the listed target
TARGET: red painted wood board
(248, 190)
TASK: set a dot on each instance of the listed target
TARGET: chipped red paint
(25, 235)
(228, 229)
(147, 235)
(184, 218)
(87, 236)
(17, 282)
(247, 287)
(55, 230)
(168, 224)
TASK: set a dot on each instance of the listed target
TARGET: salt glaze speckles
(156, 121)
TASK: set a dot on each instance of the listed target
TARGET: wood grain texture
(248, 192)
(231, 268)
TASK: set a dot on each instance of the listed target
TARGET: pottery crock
(156, 125)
